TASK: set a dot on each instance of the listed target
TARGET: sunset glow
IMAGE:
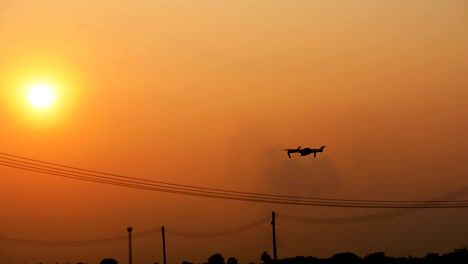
(145, 114)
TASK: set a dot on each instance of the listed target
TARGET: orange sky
(206, 93)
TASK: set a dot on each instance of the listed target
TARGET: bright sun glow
(41, 96)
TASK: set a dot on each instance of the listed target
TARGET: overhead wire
(137, 235)
(186, 186)
(219, 233)
(297, 201)
(31, 242)
(401, 207)
(369, 217)
(18, 162)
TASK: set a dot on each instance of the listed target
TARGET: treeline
(458, 256)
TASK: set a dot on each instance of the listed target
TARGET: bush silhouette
(109, 261)
(216, 259)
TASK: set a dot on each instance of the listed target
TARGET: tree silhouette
(216, 259)
(266, 258)
(109, 261)
(346, 257)
(232, 260)
(431, 258)
(458, 256)
(377, 258)
(299, 260)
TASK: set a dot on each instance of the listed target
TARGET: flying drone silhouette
(304, 151)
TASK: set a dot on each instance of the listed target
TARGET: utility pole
(129, 229)
(164, 244)
(274, 234)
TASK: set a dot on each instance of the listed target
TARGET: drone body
(304, 151)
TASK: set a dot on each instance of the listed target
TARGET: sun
(41, 96)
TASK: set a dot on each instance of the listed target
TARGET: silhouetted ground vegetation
(458, 256)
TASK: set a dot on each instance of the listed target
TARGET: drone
(304, 151)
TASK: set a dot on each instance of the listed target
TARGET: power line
(368, 217)
(297, 201)
(182, 185)
(90, 242)
(297, 219)
(220, 233)
(351, 219)
(402, 207)
(144, 184)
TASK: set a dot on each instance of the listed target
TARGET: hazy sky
(206, 93)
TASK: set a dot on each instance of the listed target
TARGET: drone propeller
(292, 149)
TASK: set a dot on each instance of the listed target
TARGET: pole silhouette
(164, 244)
(273, 223)
(129, 229)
